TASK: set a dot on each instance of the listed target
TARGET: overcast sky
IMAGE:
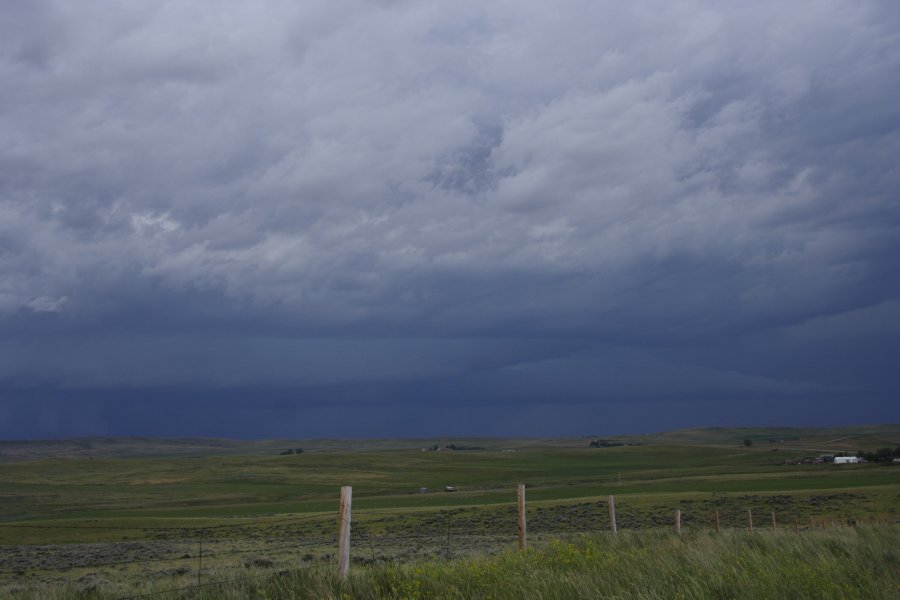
(282, 218)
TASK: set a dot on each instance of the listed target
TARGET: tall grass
(861, 563)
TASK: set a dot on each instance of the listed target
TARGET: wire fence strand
(255, 524)
(383, 534)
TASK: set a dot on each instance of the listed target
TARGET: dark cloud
(577, 206)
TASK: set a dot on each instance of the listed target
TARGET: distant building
(846, 460)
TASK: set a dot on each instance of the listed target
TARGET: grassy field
(851, 564)
(115, 512)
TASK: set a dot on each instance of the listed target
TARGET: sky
(391, 218)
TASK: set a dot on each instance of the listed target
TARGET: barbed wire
(319, 515)
(18, 525)
(435, 536)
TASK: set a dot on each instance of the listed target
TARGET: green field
(110, 510)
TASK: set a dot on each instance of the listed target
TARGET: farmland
(105, 513)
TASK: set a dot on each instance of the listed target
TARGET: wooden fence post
(774, 527)
(344, 532)
(520, 489)
(796, 524)
(718, 528)
(678, 521)
(749, 520)
(612, 515)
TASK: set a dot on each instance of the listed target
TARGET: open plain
(113, 517)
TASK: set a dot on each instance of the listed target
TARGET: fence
(191, 556)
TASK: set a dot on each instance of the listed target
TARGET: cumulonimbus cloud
(642, 173)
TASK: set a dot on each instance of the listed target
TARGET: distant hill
(853, 437)
(804, 439)
(134, 446)
(114, 447)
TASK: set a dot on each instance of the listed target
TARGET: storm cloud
(579, 210)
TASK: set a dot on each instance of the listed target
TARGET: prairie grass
(151, 491)
(853, 563)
